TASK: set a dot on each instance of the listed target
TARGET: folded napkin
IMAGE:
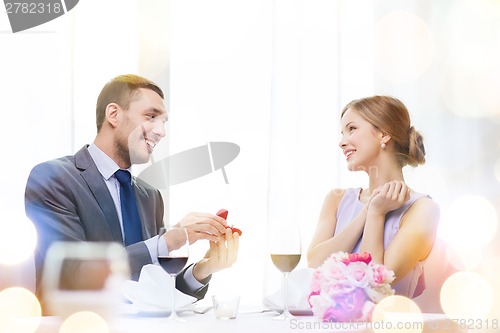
(299, 287)
(153, 290)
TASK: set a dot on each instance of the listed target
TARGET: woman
(388, 219)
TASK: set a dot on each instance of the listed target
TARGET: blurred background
(272, 77)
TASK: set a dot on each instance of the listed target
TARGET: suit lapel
(99, 190)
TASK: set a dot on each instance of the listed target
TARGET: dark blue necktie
(130, 214)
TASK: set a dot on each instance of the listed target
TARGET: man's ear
(112, 113)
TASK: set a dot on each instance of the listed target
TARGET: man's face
(143, 126)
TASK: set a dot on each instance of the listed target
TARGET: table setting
(151, 294)
(308, 300)
(250, 318)
(146, 307)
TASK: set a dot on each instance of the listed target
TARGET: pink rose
(359, 274)
(333, 288)
(381, 275)
(334, 271)
(347, 287)
(356, 257)
(376, 294)
(319, 304)
(316, 281)
(312, 294)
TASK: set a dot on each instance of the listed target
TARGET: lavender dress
(413, 283)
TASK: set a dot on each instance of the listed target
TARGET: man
(77, 198)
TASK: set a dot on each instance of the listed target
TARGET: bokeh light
(468, 224)
(84, 322)
(20, 311)
(154, 51)
(486, 87)
(17, 240)
(464, 258)
(404, 46)
(497, 170)
(466, 295)
(470, 33)
(397, 314)
(491, 272)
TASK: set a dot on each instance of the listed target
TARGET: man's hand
(222, 254)
(203, 226)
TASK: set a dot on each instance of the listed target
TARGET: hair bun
(416, 149)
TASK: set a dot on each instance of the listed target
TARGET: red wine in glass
(173, 265)
(177, 248)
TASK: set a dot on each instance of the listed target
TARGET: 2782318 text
(448, 325)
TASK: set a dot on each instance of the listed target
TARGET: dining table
(252, 319)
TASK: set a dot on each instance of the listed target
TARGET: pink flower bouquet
(347, 287)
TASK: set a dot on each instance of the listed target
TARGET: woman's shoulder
(337, 194)
(341, 191)
(423, 200)
(333, 197)
(426, 209)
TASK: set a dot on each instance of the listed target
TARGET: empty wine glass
(285, 250)
(175, 259)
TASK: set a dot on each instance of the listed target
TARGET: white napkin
(153, 290)
(299, 287)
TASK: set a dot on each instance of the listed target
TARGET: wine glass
(174, 258)
(84, 276)
(285, 250)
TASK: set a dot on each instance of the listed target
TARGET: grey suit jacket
(68, 200)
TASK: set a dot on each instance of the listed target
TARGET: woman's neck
(378, 176)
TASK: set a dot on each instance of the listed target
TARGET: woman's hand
(388, 197)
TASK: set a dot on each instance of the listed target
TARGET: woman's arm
(415, 238)
(323, 244)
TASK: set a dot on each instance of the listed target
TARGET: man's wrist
(201, 271)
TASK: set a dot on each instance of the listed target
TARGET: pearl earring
(383, 145)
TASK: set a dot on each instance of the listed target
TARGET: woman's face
(360, 141)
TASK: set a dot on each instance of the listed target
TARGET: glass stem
(174, 313)
(285, 288)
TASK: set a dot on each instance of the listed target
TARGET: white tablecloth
(250, 321)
